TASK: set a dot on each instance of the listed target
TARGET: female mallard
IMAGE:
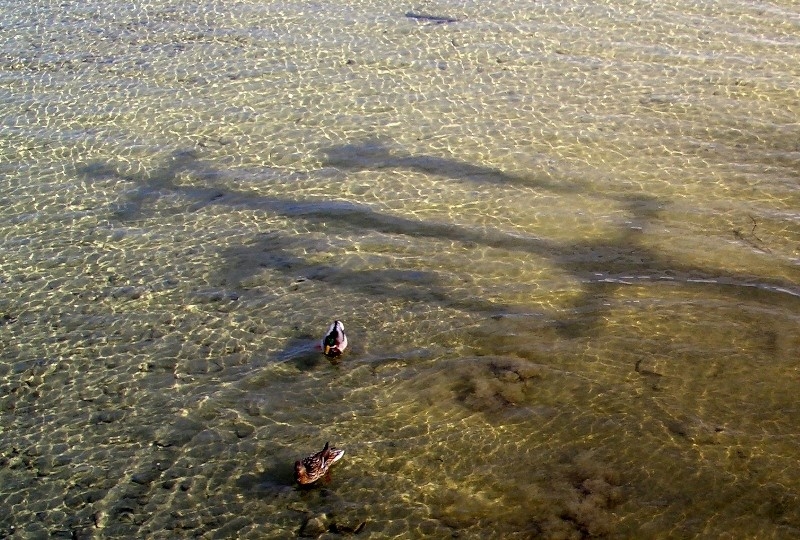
(335, 342)
(310, 469)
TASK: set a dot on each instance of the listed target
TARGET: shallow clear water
(564, 238)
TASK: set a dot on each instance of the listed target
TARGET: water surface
(564, 238)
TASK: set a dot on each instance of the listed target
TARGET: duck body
(310, 469)
(335, 341)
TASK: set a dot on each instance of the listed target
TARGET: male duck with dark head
(335, 342)
(309, 470)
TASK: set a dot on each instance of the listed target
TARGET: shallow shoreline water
(564, 239)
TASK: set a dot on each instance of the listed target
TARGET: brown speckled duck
(335, 342)
(310, 469)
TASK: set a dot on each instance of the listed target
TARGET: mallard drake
(309, 470)
(335, 342)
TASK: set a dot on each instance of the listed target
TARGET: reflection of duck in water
(335, 342)
(310, 469)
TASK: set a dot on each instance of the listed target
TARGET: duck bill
(327, 350)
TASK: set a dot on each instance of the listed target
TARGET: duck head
(335, 341)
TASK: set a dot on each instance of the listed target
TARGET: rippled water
(564, 238)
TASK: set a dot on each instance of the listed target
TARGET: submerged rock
(179, 433)
(314, 526)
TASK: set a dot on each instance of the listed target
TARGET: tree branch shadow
(375, 155)
(601, 267)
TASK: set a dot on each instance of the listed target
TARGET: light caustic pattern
(563, 237)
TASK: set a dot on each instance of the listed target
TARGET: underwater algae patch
(499, 441)
(512, 446)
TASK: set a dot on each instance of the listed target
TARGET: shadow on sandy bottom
(600, 266)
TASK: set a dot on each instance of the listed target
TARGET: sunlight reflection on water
(563, 238)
